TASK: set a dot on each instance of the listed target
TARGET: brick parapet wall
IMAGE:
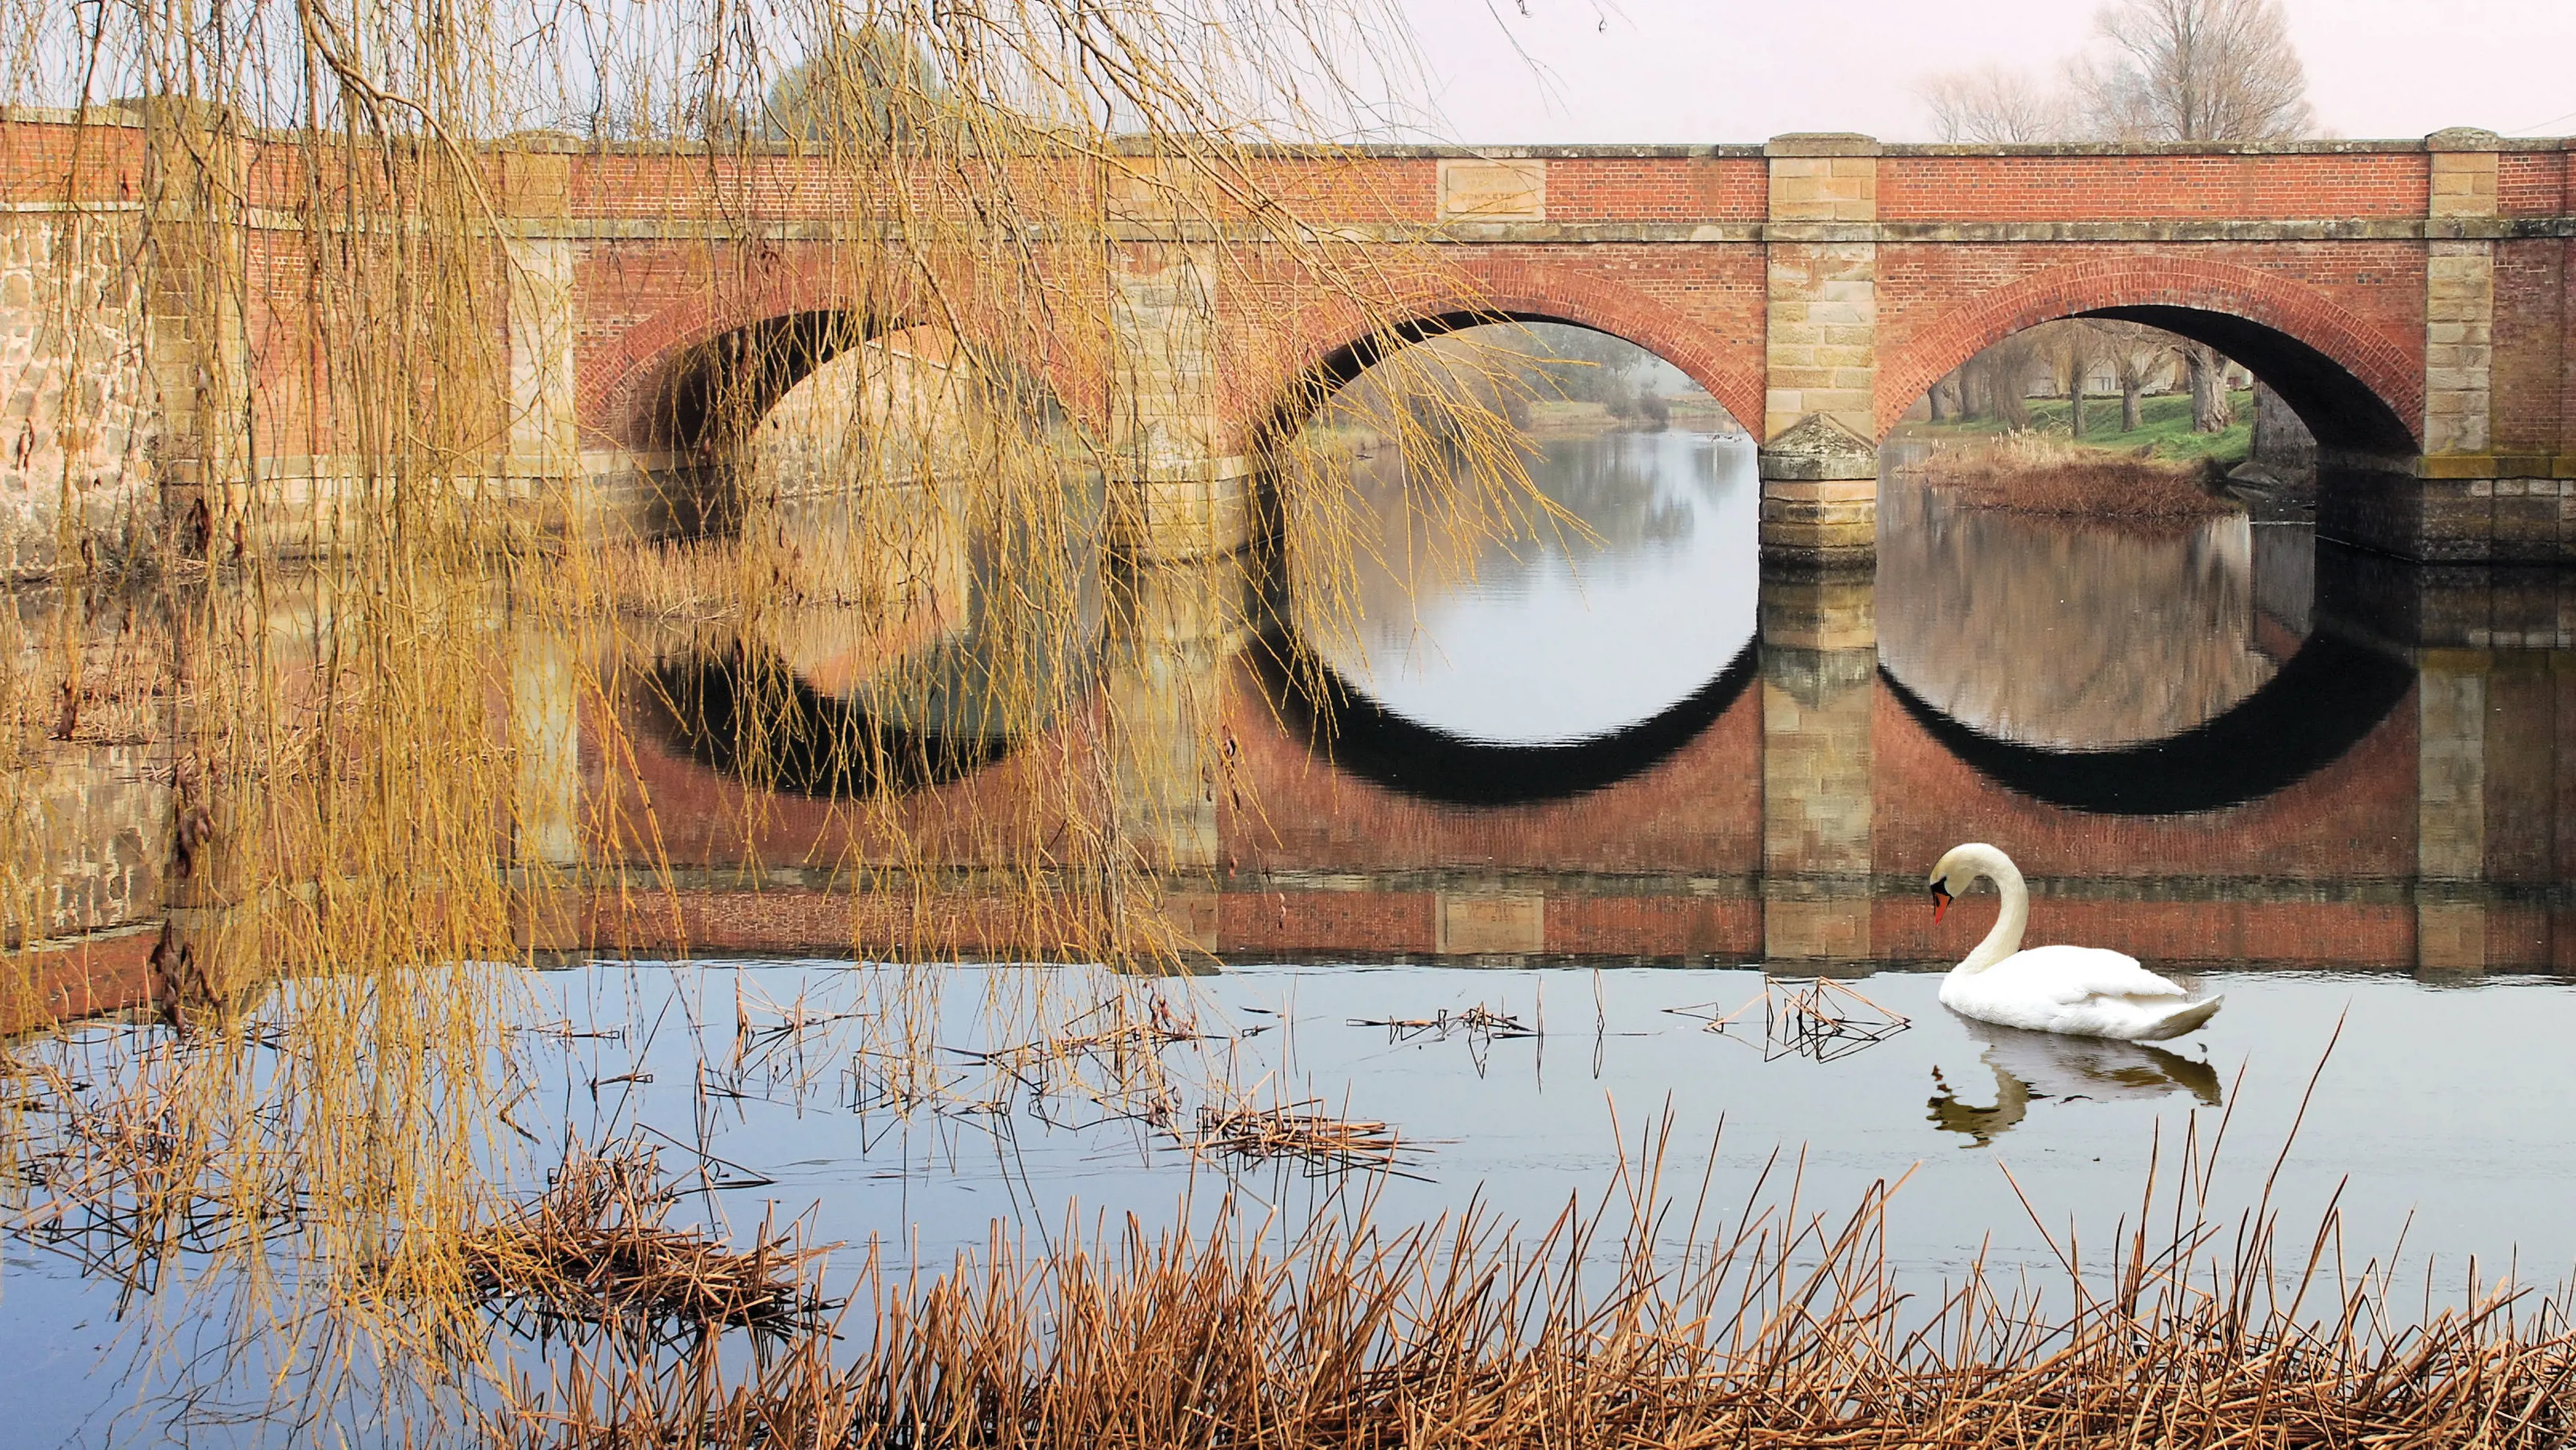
(2085, 187)
(1658, 189)
(2535, 183)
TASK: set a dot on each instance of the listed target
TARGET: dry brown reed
(596, 1248)
(1110, 1057)
(1757, 1326)
(2034, 473)
(1479, 1022)
(1325, 1144)
(1821, 1018)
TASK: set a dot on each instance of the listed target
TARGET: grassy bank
(2164, 427)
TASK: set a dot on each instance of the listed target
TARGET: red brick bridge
(2410, 299)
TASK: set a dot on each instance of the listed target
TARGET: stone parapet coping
(113, 114)
(2295, 229)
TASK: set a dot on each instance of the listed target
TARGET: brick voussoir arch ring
(604, 385)
(2289, 307)
(1532, 292)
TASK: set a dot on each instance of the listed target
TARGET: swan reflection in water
(2030, 1066)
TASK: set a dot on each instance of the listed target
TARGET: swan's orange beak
(1940, 901)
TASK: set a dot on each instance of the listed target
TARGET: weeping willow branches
(590, 462)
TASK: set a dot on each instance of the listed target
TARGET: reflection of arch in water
(746, 713)
(2322, 703)
(1372, 742)
(2034, 1066)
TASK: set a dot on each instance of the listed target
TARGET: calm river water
(1594, 783)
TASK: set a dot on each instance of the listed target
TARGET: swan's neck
(2005, 938)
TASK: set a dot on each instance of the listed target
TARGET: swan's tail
(2181, 1020)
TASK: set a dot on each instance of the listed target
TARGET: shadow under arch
(710, 398)
(1310, 391)
(1359, 735)
(745, 713)
(713, 394)
(2345, 413)
(2321, 704)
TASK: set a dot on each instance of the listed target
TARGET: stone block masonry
(76, 418)
(1820, 352)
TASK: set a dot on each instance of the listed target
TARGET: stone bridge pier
(1819, 644)
(1819, 457)
(1178, 526)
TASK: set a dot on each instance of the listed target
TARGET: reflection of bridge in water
(2391, 796)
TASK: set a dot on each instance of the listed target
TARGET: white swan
(2083, 991)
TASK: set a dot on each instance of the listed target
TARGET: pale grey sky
(1742, 70)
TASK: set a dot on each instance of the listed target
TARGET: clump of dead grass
(1822, 1018)
(1300, 1132)
(2032, 473)
(596, 1248)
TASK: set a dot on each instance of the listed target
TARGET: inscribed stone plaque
(1493, 191)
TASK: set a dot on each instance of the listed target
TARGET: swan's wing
(2071, 974)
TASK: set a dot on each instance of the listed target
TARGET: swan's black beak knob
(1940, 900)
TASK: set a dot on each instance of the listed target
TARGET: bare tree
(867, 87)
(2211, 408)
(2070, 347)
(1994, 105)
(2004, 369)
(2198, 70)
(2174, 70)
(2140, 357)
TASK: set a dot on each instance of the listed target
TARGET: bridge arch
(1336, 346)
(619, 390)
(792, 320)
(2352, 386)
